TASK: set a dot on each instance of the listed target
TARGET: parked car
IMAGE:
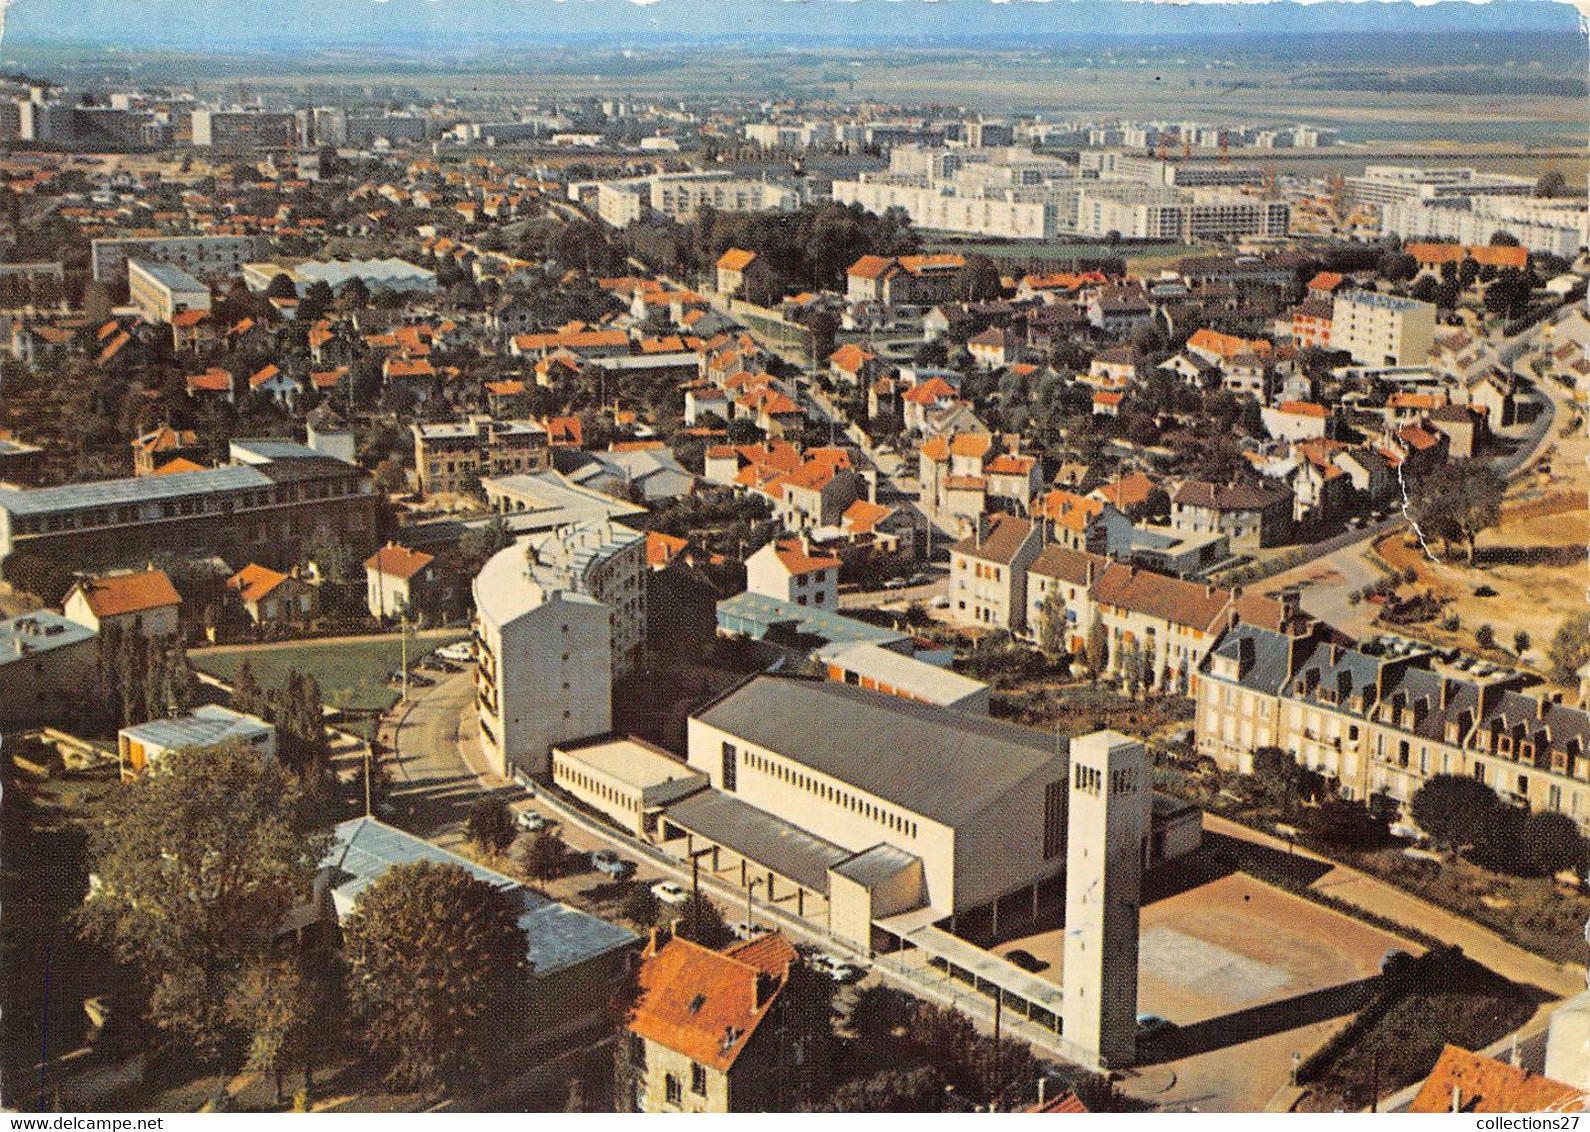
(530, 822)
(609, 863)
(744, 930)
(1152, 1025)
(1027, 961)
(460, 651)
(941, 602)
(670, 892)
(895, 584)
(418, 681)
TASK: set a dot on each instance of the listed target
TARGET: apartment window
(1523, 786)
(1479, 772)
(1554, 797)
(698, 1079)
(730, 767)
(671, 1090)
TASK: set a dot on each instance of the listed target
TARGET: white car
(669, 892)
(460, 652)
(530, 822)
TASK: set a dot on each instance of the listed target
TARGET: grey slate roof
(759, 836)
(943, 764)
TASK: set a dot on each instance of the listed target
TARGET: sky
(221, 24)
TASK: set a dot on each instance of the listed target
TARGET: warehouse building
(628, 780)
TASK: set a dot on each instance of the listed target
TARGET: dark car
(1027, 961)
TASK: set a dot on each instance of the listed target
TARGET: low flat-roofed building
(628, 779)
(878, 669)
(49, 668)
(767, 618)
(161, 291)
(546, 500)
(574, 956)
(206, 728)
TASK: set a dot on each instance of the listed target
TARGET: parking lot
(1247, 974)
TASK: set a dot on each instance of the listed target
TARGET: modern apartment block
(1383, 330)
(1387, 723)
(243, 129)
(197, 255)
(454, 456)
(161, 291)
(558, 618)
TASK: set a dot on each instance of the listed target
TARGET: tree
(1459, 500)
(1521, 643)
(1569, 649)
(281, 286)
(355, 294)
(641, 907)
(1551, 183)
(1397, 267)
(917, 1089)
(316, 303)
(1098, 648)
(1346, 824)
(1278, 773)
(438, 963)
(1485, 637)
(1551, 843)
(1503, 239)
(273, 1003)
(1052, 627)
(977, 280)
(194, 859)
(543, 855)
(390, 476)
(490, 826)
(1452, 809)
(701, 922)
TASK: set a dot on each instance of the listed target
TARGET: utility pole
(403, 646)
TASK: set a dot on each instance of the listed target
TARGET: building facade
(453, 457)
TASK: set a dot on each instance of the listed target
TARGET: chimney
(1089, 582)
(762, 991)
(1457, 1098)
(1540, 706)
(1446, 688)
(1209, 589)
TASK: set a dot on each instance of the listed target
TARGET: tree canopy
(1452, 809)
(196, 863)
(437, 960)
(1458, 500)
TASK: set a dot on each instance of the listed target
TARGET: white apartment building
(1392, 184)
(161, 291)
(1556, 226)
(1383, 330)
(558, 618)
(620, 203)
(1178, 216)
(930, 208)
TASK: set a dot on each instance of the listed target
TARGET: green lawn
(352, 674)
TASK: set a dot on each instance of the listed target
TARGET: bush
(1552, 843)
(1485, 637)
(1347, 825)
(1452, 624)
(1453, 808)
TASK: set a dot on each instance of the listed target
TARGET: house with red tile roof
(704, 1033)
(1107, 404)
(160, 444)
(1467, 1082)
(789, 569)
(1296, 420)
(144, 601)
(1251, 516)
(853, 364)
(403, 582)
(274, 598)
(732, 266)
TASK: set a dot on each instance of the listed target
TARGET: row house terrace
(1387, 723)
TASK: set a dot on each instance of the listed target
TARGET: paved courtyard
(1248, 974)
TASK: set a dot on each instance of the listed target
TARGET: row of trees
(1463, 814)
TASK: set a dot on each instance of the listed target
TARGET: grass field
(351, 674)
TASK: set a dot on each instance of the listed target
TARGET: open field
(1536, 565)
(351, 674)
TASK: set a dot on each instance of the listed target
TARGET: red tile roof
(662, 549)
(736, 259)
(1473, 1083)
(1002, 542)
(255, 581)
(398, 561)
(704, 1004)
(118, 594)
(798, 559)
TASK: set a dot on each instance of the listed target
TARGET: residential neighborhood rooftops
(1002, 541)
(757, 615)
(398, 561)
